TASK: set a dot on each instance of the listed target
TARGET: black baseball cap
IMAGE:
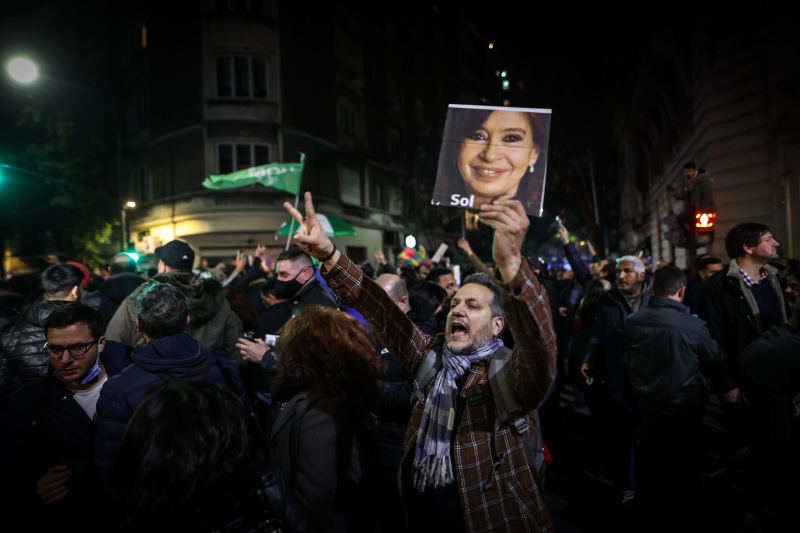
(176, 254)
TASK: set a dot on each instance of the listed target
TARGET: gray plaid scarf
(433, 466)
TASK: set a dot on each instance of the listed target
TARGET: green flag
(283, 176)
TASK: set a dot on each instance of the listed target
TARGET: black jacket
(730, 314)
(41, 427)
(670, 356)
(112, 293)
(383, 444)
(21, 341)
(314, 292)
(606, 347)
(178, 357)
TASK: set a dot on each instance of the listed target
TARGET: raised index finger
(294, 212)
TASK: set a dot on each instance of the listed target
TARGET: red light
(705, 221)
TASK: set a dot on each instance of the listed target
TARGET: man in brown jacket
(457, 474)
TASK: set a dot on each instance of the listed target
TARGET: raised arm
(582, 273)
(533, 361)
(510, 224)
(474, 260)
(354, 289)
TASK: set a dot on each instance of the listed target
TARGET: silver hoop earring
(530, 167)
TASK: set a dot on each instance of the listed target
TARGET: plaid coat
(508, 499)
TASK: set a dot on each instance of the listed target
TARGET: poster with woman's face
(493, 153)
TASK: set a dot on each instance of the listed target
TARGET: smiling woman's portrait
(493, 153)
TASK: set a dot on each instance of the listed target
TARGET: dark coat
(112, 293)
(213, 322)
(41, 427)
(313, 293)
(178, 357)
(731, 317)
(606, 348)
(383, 444)
(670, 356)
(21, 341)
(313, 441)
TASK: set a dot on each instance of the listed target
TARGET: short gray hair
(162, 310)
(638, 266)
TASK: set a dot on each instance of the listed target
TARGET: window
(350, 185)
(138, 37)
(258, 7)
(242, 77)
(238, 156)
(395, 203)
(141, 183)
(137, 111)
(348, 118)
(395, 144)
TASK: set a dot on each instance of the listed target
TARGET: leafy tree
(64, 199)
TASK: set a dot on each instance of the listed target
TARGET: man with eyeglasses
(21, 357)
(46, 429)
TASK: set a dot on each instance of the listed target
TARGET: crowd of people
(283, 393)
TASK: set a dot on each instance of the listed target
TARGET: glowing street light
(124, 230)
(22, 70)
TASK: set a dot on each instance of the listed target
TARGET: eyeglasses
(77, 351)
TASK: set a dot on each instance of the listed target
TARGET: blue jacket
(41, 427)
(175, 357)
(606, 348)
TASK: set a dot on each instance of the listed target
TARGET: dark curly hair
(183, 459)
(324, 348)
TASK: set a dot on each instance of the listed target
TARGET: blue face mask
(93, 373)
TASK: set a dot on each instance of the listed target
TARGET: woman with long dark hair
(323, 395)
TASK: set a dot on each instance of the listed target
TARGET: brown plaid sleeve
(532, 364)
(394, 329)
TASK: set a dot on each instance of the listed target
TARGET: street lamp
(22, 70)
(124, 233)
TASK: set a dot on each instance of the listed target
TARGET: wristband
(323, 259)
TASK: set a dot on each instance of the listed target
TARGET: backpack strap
(510, 410)
(425, 373)
(512, 414)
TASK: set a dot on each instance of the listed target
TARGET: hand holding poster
(493, 153)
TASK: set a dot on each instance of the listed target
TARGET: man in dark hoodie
(213, 322)
(123, 279)
(162, 315)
